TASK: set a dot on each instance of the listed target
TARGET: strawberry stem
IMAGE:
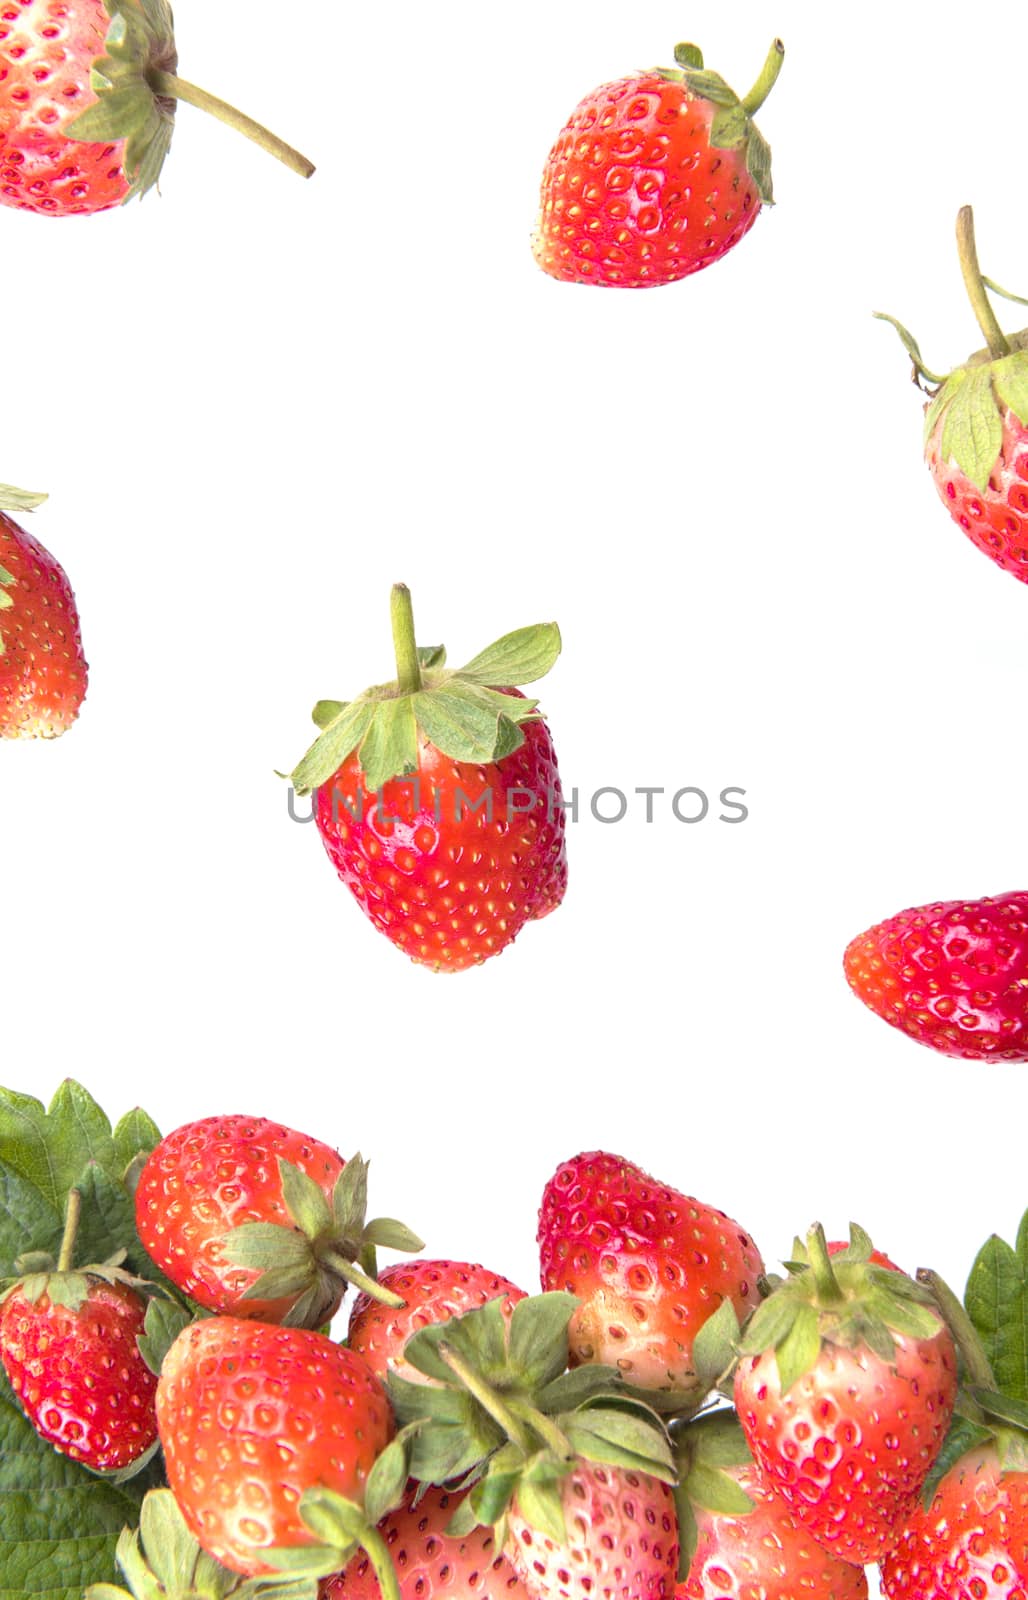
(768, 78)
(72, 1213)
(965, 1334)
(377, 1552)
(974, 283)
(360, 1280)
(825, 1281)
(408, 668)
(546, 1428)
(176, 88)
(486, 1396)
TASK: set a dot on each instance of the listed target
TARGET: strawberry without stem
(439, 801)
(654, 176)
(952, 975)
(431, 1291)
(648, 1264)
(43, 673)
(87, 103)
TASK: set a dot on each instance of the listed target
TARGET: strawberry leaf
(520, 657)
(972, 428)
(964, 1434)
(12, 499)
(1010, 378)
(996, 1298)
(799, 1349)
(390, 746)
(715, 1345)
(140, 37)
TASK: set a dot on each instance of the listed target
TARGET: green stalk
(545, 1427)
(408, 667)
(360, 1280)
(176, 88)
(71, 1228)
(486, 1396)
(965, 1334)
(378, 1554)
(827, 1284)
(974, 283)
(767, 80)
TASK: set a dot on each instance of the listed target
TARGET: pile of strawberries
(666, 1417)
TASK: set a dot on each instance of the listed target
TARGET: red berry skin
(43, 673)
(995, 518)
(634, 195)
(650, 1266)
(621, 1544)
(850, 1444)
(451, 886)
(764, 1555)
(953, 975)
(251, 1416)
(47, 48)
(429, 1564)
(434, 1291)
(79, 1375)
(972, 1542)
(213, 1175)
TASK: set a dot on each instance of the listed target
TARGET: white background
(257, 402)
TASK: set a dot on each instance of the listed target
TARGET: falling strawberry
(438, 797)
(69, 1345)
(952, 975)
(251, 1417)
(976, 424)
(431, 1291)
(88, 90)
(655, 176)
(249, 1217)
(43, 672)
(649, 1266)
(845, 1388)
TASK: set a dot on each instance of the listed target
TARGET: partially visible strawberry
(648, 1264)
(43, 672)
(430, 1563)
(87, 104)
(68, 1343)
(431, 1291)
(845, 1388)
(654, 176)
(976, 425)
(251, 1418)
(439, 801)
(249, 1217)
(970, 1542)
(952, 975)
(878, 1258)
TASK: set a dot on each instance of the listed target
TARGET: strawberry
(68, 1343)
(43, 672)
(439, 801)
(976, 425)
(431, 1291)
(654, 176)
(249, 1217)
(844, 1389)
(970, 1542)
(739, 1540)
(87, 104)
(649, 1266)
(953, 975)
(428, 1561)
(253, 1416)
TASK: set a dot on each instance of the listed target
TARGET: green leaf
(689, 55)
(541, 1506)
(715, 1345)
(1004, 1408)
(729, 127)
(1010, 377)
(963, 1435)
(799, 1349)
(136, 1134)
(621, 1440)
(972, 429)
(350, 1198)
(304, 1200)
(337, 741)
(457, 722)
(769, 1325)
(266, 1246)
(524, 656)
(758, 159)
(12, 499)
(431, 655)
(326, 712)
(996, 1299)
(390, 746)
(705, 85)
(576, 1388)
(392, 1235)
(717, 1439)
(387, 1480)
(716, 1491)
(539, 1337)
(164, 1322)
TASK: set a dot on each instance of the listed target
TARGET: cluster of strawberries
(665, 1418)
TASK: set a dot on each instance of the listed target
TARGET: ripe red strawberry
(654, 176)
(971, 1542)
(648, 1264)
(251, 1417)
(439, 801)
(431, 1291)
(43, 672)
(845, 1390)
(976, 426)
(68, 1343)
(621, 1539)
(87, 103)
(429, 1563)
(953, 975)
(247, 1216)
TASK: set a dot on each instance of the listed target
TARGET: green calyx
(327, 1245)
(137, 90)
(706, 1452)
(844, 1300)
(38, 1273)
(463, 713)
(12, 499)
(505, 1417)
(160, 1560)
(733, 127)
(339, 1528)
(970, 402)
